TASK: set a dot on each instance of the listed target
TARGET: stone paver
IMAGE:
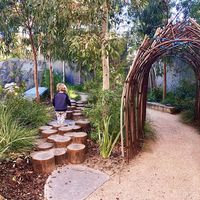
(73, 182)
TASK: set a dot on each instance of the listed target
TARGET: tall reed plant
(13, 136)
(106, 140)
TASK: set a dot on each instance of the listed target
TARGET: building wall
(16, 70)
(176, 72)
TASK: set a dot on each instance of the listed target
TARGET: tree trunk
(104, 53)
(51, 79)
(164, 81)
(35, 65)
(63, 71)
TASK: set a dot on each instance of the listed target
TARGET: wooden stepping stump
(76, 128)
(72, 101)
(72, 107)
(65, 129)
(83, 124)
(51, 138)
(52, 123)
(76, 111)
(80, 138)
(40, 141)
(73, 104)
(76, 153)
(57, 126)
(45, 146)
(43, 161)
(77, 116)
(80, 102)
(69, 114)
(80, 105)
(62, 141)
(80, 108)
(47, 133)
(70, 134)
(42, 128)
(60, 155)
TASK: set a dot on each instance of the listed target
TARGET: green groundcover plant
(19, 119)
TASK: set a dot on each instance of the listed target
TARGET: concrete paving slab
(73, 182)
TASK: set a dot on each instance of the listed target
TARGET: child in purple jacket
(60, 102)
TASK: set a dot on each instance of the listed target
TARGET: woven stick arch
(182, 38)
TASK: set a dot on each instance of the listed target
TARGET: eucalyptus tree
(28, 15)
(91, 39)
(190, 8)
(53, 32)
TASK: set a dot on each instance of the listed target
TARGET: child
(60, 102)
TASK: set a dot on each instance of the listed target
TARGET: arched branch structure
(183, 39)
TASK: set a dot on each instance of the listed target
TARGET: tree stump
(80, 105)
(64, 129)
(43, 161)
(42, 128)
(44, 146)
(85, 125)
(80, 108)
(57, 126)
(72, 107)
(62, 141)
(73, 104)
(60, 155)
(55, 123)
(77, 116)
(40, 141)
(69, 114)
(80, 138)
(51, 138)
(52, 123)
(76, 128)
(77, 111)
(76, 153)
(70, 134)
(47, 133)
(72, 101)
(80, 102)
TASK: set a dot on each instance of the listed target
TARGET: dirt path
(170, 171)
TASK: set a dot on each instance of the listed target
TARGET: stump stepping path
(62, 144)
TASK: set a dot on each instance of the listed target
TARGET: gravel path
(169, 170)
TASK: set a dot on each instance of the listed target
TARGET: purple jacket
(60, 101)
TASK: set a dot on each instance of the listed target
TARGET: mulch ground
(19, 182)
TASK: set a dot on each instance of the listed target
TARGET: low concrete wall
(161, 107)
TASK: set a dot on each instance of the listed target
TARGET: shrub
(46, 79)
(149, 131)
(27, 113)
(170, 99)
(13, 136)
(73, 94)
(187, 116)
(104, 115)
(155, 95)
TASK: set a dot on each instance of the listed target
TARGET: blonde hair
(61, 87)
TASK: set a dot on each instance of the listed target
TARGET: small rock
(18, 160)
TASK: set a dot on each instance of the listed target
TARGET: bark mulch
(19, 182)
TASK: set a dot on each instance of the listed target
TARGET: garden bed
(18, 181)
